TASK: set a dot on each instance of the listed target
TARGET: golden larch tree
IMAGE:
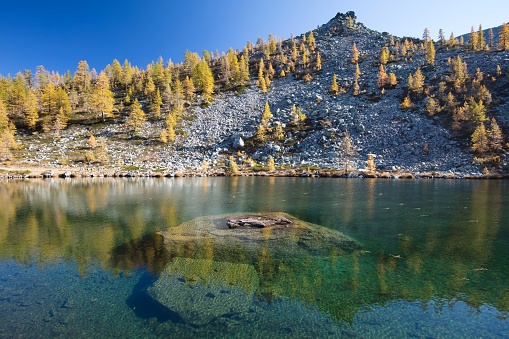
(355, 54)
(136, 117)
(480, 141)
(271, 166)
(430, 52)
(7, 130)
(496, 137)
(503, 37)
(266, 115)
(203, 80)
(384, 55)
(103, 101)
(334, 88)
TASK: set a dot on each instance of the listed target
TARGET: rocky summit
(369, 112)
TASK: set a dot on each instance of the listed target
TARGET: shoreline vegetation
(45, 172)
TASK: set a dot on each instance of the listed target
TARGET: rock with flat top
(257, 221)
(245, 235)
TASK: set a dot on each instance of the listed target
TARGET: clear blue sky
(59, 33)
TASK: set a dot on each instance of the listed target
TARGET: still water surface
(82, 258)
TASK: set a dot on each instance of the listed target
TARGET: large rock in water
(235, 237)
(223, 265)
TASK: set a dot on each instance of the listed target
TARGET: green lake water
(83, 258)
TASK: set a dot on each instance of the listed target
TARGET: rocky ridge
(400, 140)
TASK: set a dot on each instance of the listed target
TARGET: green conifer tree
(426, 36)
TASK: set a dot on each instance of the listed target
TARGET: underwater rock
(222, 266)
(201, 290)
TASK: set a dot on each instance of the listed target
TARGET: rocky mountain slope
(400, 139)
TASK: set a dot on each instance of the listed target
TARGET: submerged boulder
(201, 290)
(228, 267)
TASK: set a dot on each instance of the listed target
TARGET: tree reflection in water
(422, 241)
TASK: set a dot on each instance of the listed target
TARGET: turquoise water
(82, 258)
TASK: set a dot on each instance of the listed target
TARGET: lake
(85, 258)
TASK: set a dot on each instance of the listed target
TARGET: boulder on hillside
(238, 143)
